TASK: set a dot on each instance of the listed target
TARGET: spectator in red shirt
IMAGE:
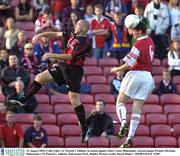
(12, 134)
(100, 27)
(2, 113)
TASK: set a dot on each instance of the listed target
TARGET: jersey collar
(142, 37)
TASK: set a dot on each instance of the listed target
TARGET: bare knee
(122, 98)
(74, 98)
(137, 106)
(43, 77)
(39, 78)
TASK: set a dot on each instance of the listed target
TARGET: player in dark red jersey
(70, 71)
(138, 82)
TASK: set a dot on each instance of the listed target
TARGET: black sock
(81, 115)
(33, 89)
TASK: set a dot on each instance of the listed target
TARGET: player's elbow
(69, 57)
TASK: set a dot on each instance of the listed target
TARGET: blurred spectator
(166, 85)
(57, 8)
(157, 14)
(74, 7)
(11, 73)
(11, 33)
(115, 6)
(46, 22)
(12, 133)
(134, 3)
(174, 58)
(18, 47)
(119, 46)
(175, 32)
(3, 60)
(24, 11)
(36, 136)
(20, 107)
(116, 83)
(39, 5)
(100, 27)
(45, 45)
(138, 10)
(89, 15)
(6, 8)
(99, 123)
(174, 11)
(3, 109)
(1, 30)
(30, 61)
(104, 3)
(53, 88)
(70, 24)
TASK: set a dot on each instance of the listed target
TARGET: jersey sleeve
(79, 46)
(132, 56)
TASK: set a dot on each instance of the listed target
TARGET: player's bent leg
(121, 113)
(135, 120)
(44, 77)
(40, 79)
(80, 112)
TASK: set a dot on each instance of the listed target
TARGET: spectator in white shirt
(174, 58)
(157, 14)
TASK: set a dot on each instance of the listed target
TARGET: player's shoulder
(81, 39)
(143, 40)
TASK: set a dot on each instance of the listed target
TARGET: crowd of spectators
(20, 60)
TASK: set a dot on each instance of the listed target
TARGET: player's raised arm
(47, 34)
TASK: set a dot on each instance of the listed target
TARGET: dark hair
(13, 54)
(37, 117)
(90, 5)
(10, 112)
(118, 13)
(139, 6)
(165, 69)
(100, 100)
(99, 6)
(141, 26)
(76, 13)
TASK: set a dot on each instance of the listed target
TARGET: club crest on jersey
(72, 43)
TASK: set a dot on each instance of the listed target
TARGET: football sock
(135, 120)
(121, 113)
(80, 112)
(33, 89)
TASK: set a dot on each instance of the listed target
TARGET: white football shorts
(137, 84)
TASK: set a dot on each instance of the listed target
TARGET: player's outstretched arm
(46, 34)
(56, 56)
